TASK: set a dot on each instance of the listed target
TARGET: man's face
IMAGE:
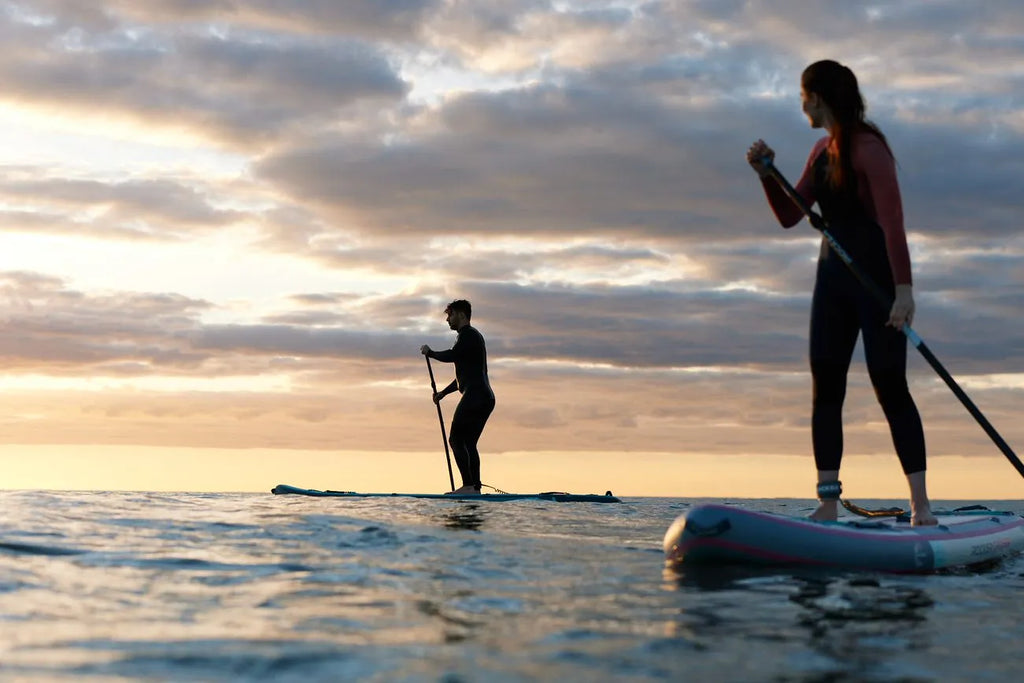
(455, 319)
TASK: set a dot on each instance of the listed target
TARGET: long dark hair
(836, 85)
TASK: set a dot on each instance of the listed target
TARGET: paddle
(883, 299)
(440, 418)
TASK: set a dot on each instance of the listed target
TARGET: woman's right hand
(756, 155)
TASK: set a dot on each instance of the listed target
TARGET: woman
(851, 174)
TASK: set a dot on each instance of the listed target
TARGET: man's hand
(425, 350)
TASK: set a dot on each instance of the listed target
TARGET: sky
(227, 227)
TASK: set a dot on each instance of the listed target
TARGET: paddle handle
(440, 419)
(886, 301)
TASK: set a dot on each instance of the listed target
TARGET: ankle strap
(830, 490)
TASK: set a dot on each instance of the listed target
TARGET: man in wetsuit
(470, 357)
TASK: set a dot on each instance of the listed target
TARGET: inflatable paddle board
(722, 534)
(555, 496)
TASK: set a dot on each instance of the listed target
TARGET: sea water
(239, 587)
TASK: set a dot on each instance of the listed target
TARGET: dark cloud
(306, 341)
(397, 20)
(244, 88)
(378, 19)
(49, 326)
(544, 160)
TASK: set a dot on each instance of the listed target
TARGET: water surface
(157, 586)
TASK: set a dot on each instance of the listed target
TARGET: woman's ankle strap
(830, 490)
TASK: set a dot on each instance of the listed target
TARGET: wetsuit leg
(467, 426)
(885, 350)
(833, 336)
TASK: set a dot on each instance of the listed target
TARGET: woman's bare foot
(923, 518)
(828, 511)
(920, 506)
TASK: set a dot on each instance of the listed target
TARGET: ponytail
(837, 86)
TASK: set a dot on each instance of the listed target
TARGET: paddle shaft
(440, 419)
(886, 302)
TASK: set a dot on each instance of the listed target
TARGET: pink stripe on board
(888, 536)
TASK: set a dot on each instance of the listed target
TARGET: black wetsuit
(470, 357)
(841, 308)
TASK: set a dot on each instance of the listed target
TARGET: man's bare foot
(828, 511)
(463, 490)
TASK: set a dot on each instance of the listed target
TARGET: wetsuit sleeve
(788, 213)
(456, 353)
(445, 356)
(879, 190)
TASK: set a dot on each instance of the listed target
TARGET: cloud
(50, 328)
(135, 208)
(622, 370)
(241, 88)
(389, 20)
(541, 160)
(575, 169)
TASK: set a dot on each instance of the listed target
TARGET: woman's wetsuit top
(877, 189)
(470, 357)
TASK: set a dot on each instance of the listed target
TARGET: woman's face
(813, 107)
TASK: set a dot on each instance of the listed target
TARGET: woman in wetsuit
(470, 357)
(851, 174)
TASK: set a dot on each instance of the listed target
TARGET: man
(470, 357)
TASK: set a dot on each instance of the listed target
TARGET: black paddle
(883, 299)
(440, 418)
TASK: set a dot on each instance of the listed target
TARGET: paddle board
(723, 534)
(555, 496)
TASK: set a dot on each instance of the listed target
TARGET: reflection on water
(836, 626)
(860, 600)
(710, 577)
(469, 517)
(706, 577)
(858, 622)
(453, 627)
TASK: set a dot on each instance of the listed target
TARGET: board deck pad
(554, 496)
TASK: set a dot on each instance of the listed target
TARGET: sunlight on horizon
(673, 475)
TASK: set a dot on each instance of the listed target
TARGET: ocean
(117, 586)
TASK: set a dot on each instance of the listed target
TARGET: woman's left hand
(902, 307)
